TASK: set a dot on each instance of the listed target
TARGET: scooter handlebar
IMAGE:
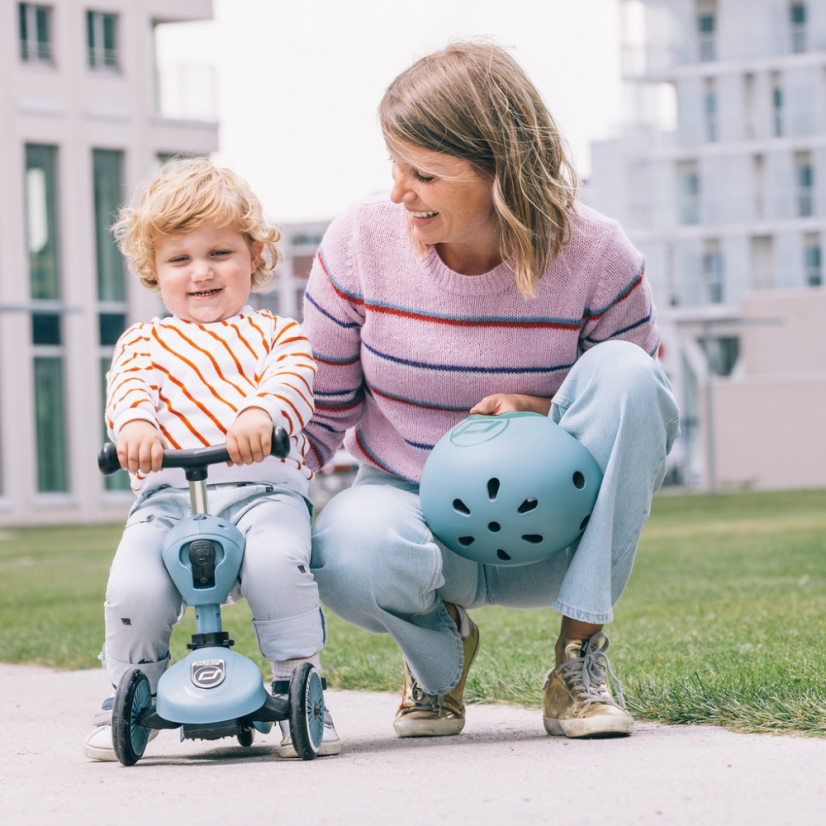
(195, 459)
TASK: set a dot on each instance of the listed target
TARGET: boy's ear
(255, 252)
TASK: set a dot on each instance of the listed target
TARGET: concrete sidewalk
(503, 769)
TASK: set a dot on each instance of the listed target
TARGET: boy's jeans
(142, 602)
(378, 566)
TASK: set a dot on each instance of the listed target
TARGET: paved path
(502, 770)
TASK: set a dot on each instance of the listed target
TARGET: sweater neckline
(497, 280)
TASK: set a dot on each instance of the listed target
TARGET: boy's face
(205, 275)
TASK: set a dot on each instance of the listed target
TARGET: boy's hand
(249, 439)
(140, 447)
(512, 403)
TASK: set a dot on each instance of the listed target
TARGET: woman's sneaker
(98, 743)
(428, 715)
(576, 700)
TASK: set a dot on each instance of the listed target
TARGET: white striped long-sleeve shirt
(192, 380)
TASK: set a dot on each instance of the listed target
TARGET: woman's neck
(469, 259)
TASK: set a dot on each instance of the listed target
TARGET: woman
(480, 286)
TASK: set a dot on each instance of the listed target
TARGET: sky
(298, 82)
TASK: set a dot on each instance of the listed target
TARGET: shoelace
(587, 673)
(423, 700)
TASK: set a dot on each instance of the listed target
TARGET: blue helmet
(508, 489)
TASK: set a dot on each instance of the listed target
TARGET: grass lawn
(722, 622)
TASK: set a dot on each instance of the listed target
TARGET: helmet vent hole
(494, 526)
(466, 540)
(461, 507)
(533, 538)
(584, 523)
(579, 480)
(528, 505)
(493, 488)
(503, 556)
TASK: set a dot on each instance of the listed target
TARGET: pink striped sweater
(405, 346)
(191, 381)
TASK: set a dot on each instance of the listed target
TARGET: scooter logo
(478, 429)
(208, 673)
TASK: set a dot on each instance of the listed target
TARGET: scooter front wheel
(306, 711)
(132, 698)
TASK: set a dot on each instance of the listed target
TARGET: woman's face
(448, 200)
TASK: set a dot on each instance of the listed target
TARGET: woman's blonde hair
(186, 194)
(472, 100)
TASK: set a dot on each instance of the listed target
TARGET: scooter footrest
(283, 686)
(273, 710)
(211, 731)
(151, 719)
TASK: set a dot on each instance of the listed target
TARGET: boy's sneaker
(428, 715)
(98, 743)
(330, 741)
(576, 700)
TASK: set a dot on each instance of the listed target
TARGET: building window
(102, 40)
(107, 165)
(713, 271)
(813, 261)
(762, 262)
(722, 354)
(689, 183)
(35, 33)
(706, 40)
(777, 106)
(710, 110)
(797, 24)
(804, 175)
(41, 221)
(50, 414)
(759, 168)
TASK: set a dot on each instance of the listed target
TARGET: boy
(215, 371)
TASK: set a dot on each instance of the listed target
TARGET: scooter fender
(210, 685)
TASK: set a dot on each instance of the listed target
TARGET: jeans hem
(583, 616)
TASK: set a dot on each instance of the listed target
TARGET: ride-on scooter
(213, 692)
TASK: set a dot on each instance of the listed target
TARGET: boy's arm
(284, 393)
(131, 404)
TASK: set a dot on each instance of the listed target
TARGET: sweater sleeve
(333, 318)
(285, 386)
(621, 306)
(131, 393)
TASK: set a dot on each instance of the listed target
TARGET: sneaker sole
(107, 755)
(328, 747)
(437, 727)
(589, 727)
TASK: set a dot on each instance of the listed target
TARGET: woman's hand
(249, 438)
(140, 447)
(512, 403)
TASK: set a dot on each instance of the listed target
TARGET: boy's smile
(205, 275)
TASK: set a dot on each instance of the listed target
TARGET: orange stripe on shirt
(197, 373)
(195, 401)
(183, 419)
(209, 356)
(229, 350)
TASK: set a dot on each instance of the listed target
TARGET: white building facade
(81, 124)
(720, 179)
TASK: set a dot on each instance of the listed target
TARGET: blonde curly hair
(472, 100)
(186, 194)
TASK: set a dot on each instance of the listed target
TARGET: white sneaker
(98, 743)
(330, 741)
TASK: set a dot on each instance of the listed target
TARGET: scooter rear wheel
(306, 711)
(246, 737)
(132, 698)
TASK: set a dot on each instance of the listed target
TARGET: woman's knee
(372, 549)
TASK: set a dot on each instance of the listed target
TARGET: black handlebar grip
(199, 457)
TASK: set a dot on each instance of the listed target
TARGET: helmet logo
(208, 673)
(478, 429)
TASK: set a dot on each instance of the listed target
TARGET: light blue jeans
(142, 602)
(379, 567)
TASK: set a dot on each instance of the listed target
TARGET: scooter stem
(198, 496)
